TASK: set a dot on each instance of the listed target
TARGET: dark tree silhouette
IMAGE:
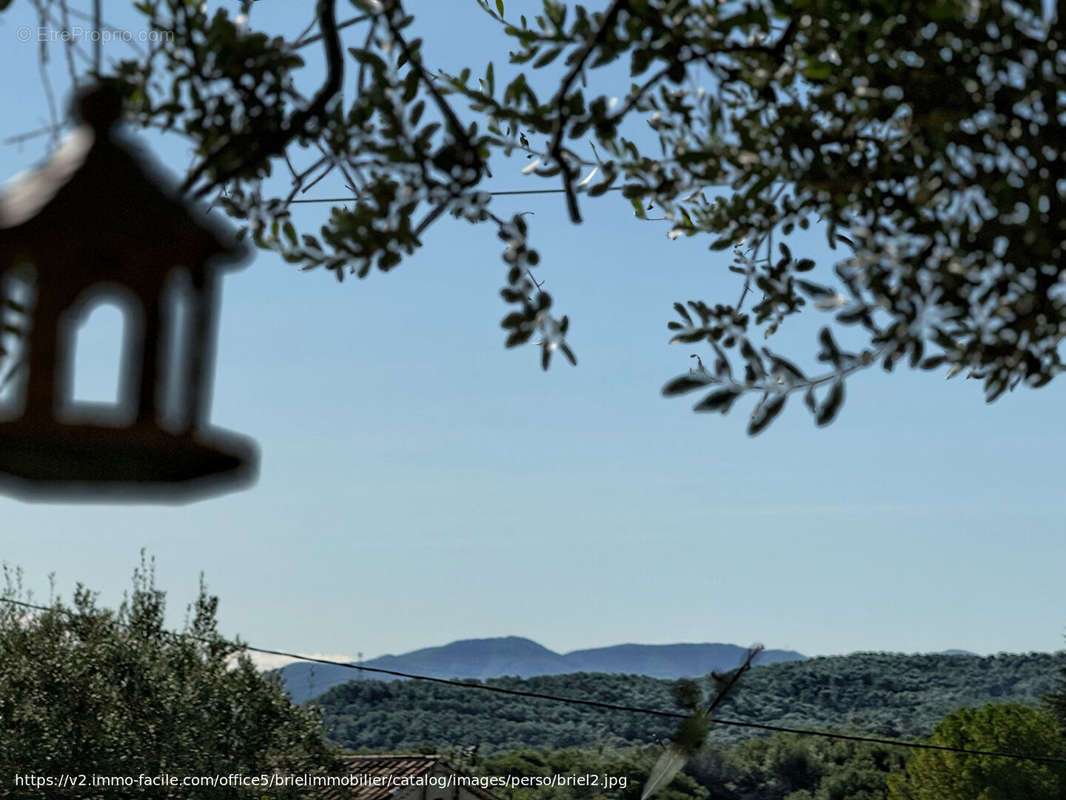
(88, 691)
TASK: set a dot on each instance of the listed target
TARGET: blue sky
(420, 484)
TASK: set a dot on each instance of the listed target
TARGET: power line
(599, 704)
(658, 712)
(493, 194)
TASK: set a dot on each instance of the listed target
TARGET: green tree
(926, 139)
(85, 690)
(805, 768)
(1009, 728)
(1055, 702)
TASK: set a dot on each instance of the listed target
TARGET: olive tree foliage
(924, 138)
(85, 689)
(1007, 728)
(1055, 703)
(799, 768)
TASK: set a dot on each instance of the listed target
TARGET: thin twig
(734, 678)
(635, 98)
(98, 53)
(556, 148)
(371, 30)
(431, 217)
(298, 179)
(458, 131)
(339, 164)
(297, 125)
(42, 67)
(103, 25)
(292, 169)
(301, 42)
(305, 31)
(329, 168)
(64, 11)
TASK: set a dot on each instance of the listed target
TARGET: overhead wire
(493, 194)
(575, 701)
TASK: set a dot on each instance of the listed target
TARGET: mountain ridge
(517, 656)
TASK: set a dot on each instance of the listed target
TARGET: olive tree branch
(297, 125)
(556, 146)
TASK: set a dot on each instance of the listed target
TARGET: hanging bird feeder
(95, 220)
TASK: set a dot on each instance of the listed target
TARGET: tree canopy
(1055, 702)
(925, 139)
(89, 691)
(1009, 728)
(801, 768)
(887, 695)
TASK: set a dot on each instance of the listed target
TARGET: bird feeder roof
(98, 195)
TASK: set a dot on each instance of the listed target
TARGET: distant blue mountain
(669, 660)
(524, 658)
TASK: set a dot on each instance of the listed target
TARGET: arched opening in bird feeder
(102, 326)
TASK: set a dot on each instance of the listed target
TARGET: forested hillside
(879, 693)
(514, 656)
